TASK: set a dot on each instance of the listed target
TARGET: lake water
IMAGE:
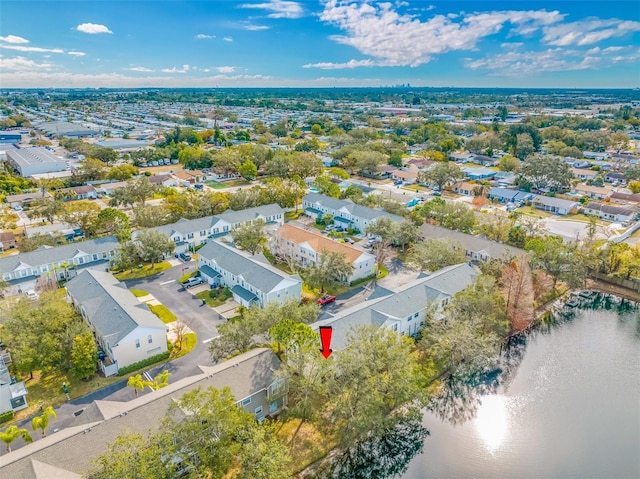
(570, 410)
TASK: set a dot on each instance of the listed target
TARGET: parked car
(397, 182)
(194, 281)
(436, 193)
(348, 240)
(32, 295)
(185, 256)
(326, 299)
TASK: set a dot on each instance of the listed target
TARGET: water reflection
(491, 421)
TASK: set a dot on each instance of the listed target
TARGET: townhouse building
(307, 247)
(251, 279)
(126, 331)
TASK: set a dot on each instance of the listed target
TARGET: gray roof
(48, 255)
(353, 209)
(261, 276)
(471, 243)
(110, 306)
(184, 226)
(65, 128)
(233, 217)
(74, 448)
(510, 194)
(26, 197)
(610, 209)
(50, 229)
(406, 301)
(27, 156)
(554, 202)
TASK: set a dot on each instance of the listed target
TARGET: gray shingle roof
(74, 448)
(234, 217)
(49, 255)
(184, 226)
(353, 209)
(471, 243)
(259, 275)
(111, 307)
(406, 301)
(611, 209)
(554, 202)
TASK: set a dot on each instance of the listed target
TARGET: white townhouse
(403, 310)
(59, 262)
(125, 329)
(187, 234)
(251, 279)
(307, 247)
(345, 212)
(611, 212)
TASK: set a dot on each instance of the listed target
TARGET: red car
(326, 299)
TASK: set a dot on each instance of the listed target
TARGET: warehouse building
(10, 137)
(71, 130)
(33, 161)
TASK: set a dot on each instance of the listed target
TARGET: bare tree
(517, 288)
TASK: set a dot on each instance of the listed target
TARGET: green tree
(508, 163)
(12, 433)
(434, 254)
(248, 170)
(406, 233)
(249, 236)
(48, 208)
(455, 216)
(153, 246)
(82, 214)
(92, 169)
(634, 186)
(524, 146)
(122, 172)
(84, 356)
(135, 191)
(111, 221)
(42, 421)
(161, 380)
(264, 455)
(137, 383)
(331, 269)
(376, 383)
(557, 259)
(442, 174)
(543, 171)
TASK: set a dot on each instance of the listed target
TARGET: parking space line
(167, 282)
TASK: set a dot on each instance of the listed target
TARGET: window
(273, 407)
(150, 339)
(95, 257)
(409, 318)
(258, 410)
(415, 315)
(137, 343)
(245, 401)
(190, 236)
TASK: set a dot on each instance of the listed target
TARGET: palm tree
(161, 380)
(41, 422)
(12, 433)
(137, 383)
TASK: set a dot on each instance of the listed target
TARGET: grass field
(161, 311)
(143, 272)
(138, 293)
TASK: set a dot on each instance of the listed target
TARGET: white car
(32, 295)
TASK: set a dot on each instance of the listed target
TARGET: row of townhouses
(345, 212)
(125, 330)
(70, 453)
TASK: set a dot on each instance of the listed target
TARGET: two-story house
(251, 279)
(125, 329)
(344, 212)
(58, 262)
(307, 247)
(187, 234)
(403, 310)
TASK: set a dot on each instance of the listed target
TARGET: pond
(567, 407)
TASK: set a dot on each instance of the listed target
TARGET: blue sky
(269, 43)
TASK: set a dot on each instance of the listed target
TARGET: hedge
(6, 416)
(141, 364)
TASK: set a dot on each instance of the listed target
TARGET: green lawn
(215, 185)
(190, 341)
(161, 311)
(143, 272)
(293, 215)
(218, 300)
(138, 293)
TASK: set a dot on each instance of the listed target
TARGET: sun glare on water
(491, 422)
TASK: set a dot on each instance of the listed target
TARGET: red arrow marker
(325, 340)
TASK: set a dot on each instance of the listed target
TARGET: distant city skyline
(328, 43)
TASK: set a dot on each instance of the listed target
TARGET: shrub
(6, 416)
(141, 364)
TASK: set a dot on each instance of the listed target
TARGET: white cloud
(255, 28)
(278, 8)
(206, 70)
(511, 45)
(22, 64)
(21, 48)
(92, 28)
(204, 36)
(339, 66)
(588, 31)
(77, 54)
(395, 39)
(228, 39)
(184, 69)
(13, 39)
(226, 69)
(139, 69)
(529, 63)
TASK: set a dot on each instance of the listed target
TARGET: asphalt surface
(203, 320)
